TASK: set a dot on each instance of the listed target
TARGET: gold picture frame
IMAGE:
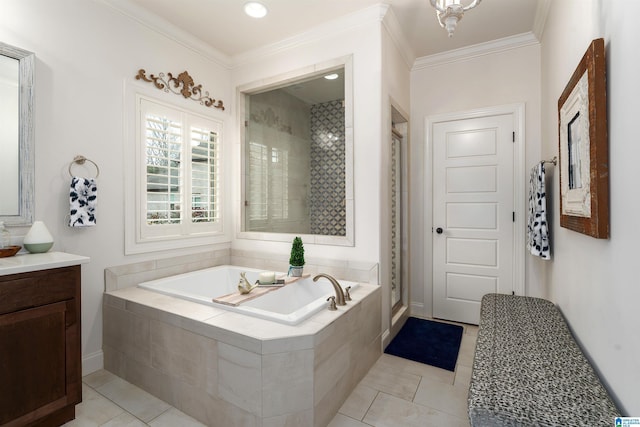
(583, 147)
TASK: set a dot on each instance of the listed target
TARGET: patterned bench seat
(529, 371)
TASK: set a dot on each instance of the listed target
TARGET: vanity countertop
(25, 263)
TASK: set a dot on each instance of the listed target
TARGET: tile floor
(400, 393)
(395, 393)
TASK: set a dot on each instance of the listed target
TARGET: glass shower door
(396, 221)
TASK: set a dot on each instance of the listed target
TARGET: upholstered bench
(529, 371)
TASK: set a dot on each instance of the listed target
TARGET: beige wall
(507, 77)
(82, 64)
(85, 52)
(396, 93)
(595, 282)
(362, 45)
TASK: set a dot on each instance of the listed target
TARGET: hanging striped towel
(83, 199)
(538, 231)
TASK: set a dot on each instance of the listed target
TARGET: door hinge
(513, 216)
(513, 137)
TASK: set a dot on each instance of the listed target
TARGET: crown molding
(391, 24)
(167, 29)
(542, 11)
(339, 25)
(477, 50)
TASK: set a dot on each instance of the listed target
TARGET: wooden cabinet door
(33, 362)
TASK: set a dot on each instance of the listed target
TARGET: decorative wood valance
(183, 85)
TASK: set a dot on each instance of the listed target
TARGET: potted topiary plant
(296, 260)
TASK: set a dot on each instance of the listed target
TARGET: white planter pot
(295, 271)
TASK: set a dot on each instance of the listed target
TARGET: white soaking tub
(289, 304)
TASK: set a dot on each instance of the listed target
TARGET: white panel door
(473, 205)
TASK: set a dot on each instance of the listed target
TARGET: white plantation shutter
(179, 192)
(205, 206)
(163, 148)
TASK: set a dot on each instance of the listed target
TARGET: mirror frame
(279, 81)
(26, 138)
(586, 209)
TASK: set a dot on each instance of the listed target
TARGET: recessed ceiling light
(331, 76)
(255, 9)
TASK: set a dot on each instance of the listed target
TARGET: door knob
(439, 230)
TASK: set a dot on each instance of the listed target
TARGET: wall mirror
(583, 146)
(297, 166)
(16, 135)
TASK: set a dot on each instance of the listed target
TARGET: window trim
(273, 82)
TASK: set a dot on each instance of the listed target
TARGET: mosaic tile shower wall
(394, 221)
(327, 195)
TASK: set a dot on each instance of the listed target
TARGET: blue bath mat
(425, 341)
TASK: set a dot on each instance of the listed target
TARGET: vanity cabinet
(40, 360)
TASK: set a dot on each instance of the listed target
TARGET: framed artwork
(583, 147)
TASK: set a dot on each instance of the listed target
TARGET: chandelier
(450, 12)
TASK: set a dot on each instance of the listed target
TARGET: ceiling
(223, 25)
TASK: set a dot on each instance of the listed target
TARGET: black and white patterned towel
(83, 199)
(538, 230)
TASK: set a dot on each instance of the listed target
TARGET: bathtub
(289, 305)
(226, 368)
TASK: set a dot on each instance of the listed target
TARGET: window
(178, 170)
(297, 156)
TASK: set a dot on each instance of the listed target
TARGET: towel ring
(80, 160)
(554, 161)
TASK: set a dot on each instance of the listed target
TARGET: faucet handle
(347, 296)
(332, 303)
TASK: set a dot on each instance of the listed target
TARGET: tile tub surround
(123, 276)
(354, 271)
(290, 304)
(223, 368)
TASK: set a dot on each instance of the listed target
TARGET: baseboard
(92, 362)
(417, 309)
(386, 339)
